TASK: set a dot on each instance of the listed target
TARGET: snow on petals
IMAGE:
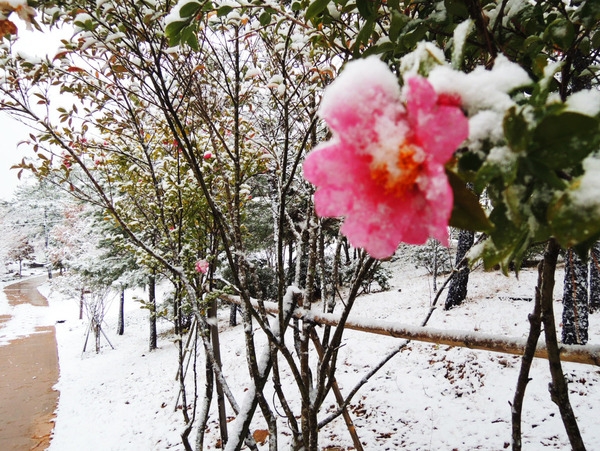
(202, 266)
(383, 169)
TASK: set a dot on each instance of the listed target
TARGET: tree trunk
(81, 304)
(559, 390)
(546, 270)
(233, 315)
(121, 320)
(205, 407)
(214, 336)
(96, 328)
(575, 300)
(594, 298)
(457, 292)
(152, 303)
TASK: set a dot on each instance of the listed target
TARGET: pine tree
(575, 300)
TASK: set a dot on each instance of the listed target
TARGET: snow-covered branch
(588, 354)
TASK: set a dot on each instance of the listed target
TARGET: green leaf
(397, 23)
(192, 41)
(188, 36)
(457, 8)
(582, 249)
(493, 169)
(509, 242)
(543, 173)
(546, 82)
(595, 41)
(316, 8)
(173, 30)
(189, 10)
(367, 8)
(394, 5)
(379, 49)
(573, 223)
(265, 19)
(516, 130)
(533, 45)
(590, 12)
(467, 213)
(561, 33)
(469, 162)
(564, 140)
(415, 34)
(363, 36)
(224, 10)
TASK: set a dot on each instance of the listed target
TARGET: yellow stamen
(402, 180)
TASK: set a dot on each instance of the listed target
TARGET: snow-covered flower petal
(383, 168)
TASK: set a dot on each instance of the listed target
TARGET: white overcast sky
(11, 131)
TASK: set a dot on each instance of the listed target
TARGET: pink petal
(330, 202)
(366, 89)
(438, 128)
(333, 163)
(369, 122)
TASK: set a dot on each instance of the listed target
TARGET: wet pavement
(28, 371)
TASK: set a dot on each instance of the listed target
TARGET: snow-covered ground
(428, 397)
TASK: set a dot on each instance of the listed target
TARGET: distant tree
(575, 300)
(93, 255)
(20, 250)
(96, 305)
(434, 257)
(32, 213)
(45, 202)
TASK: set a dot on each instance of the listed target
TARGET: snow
(484, 125)
(174, 15)
(427, 397)
(82, 18)
(254, 72)
(372, 74)
(484, 94)
(585, 195)
(16, 3)
(585, 102)
(503, 157)
(25, 318)
(426, 53)
(482, 89)
(460, 37)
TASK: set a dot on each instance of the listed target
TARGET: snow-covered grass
(428, 397)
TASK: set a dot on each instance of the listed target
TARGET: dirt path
(28, 371)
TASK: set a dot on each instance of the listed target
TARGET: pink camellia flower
(202, 266)
(207, 155)
(383, 169)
